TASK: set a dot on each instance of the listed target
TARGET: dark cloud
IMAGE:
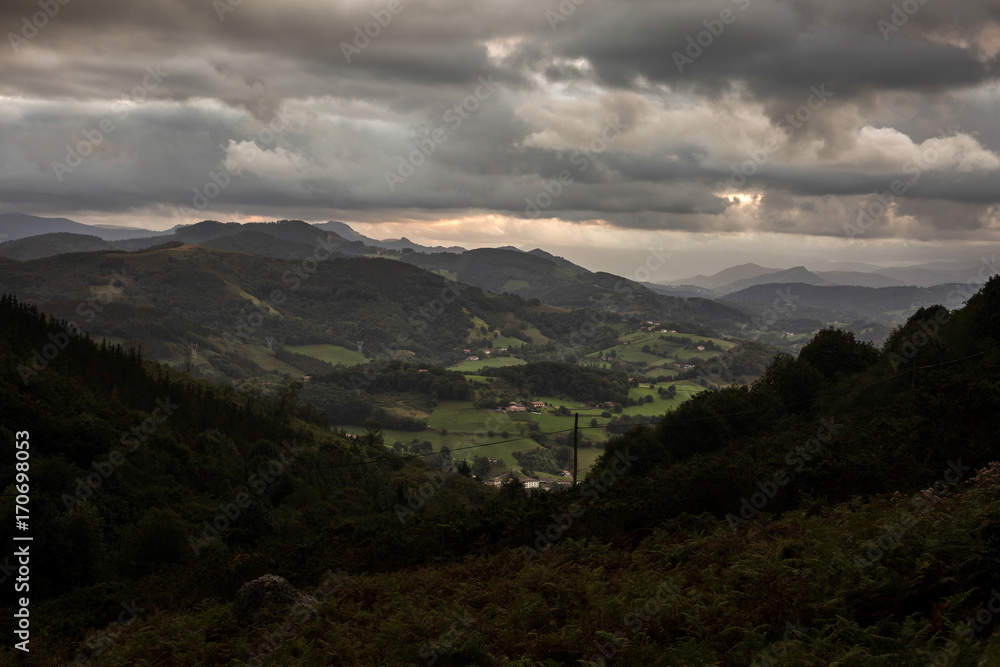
(362, 104)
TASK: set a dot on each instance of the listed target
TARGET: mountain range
(224, 293)
(31, 237)
(736, 278)
(234, 267)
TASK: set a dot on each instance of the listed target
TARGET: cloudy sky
(721, 130)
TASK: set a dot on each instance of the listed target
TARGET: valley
(380, 414)
(261, 305)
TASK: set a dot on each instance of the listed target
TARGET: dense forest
(843, 509)
(546, 378)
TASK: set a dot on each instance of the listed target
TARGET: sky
(719, 131)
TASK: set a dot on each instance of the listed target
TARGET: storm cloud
(718, 116)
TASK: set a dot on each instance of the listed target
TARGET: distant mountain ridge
(78, 237)
(14, 226)
(558, 282)
(288, 239)
(846, 274)
(805, 300)
(54, 243)
(346, 231)
(726, 276)
(796, 274)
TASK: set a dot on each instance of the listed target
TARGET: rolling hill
(724, 277)
(15, 226)
(889, 305)
(230, 314)
(229, 303)
(796, 274)
(555, 281)
(345, 230)
(54, 243)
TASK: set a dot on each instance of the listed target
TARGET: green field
(488, 362)
(685, 389)
(469, 431)
(508, 341)
(333, 354)
(514, 284)
(472, 443)
(536, 336)
(662, 355)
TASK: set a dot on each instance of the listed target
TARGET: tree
(373, 433)
(481, 466)
(794, 381)
(835, 353)
(159, 537)
(593, 422)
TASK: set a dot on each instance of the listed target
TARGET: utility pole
(576, 437)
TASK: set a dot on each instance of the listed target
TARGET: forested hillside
(841, 510)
